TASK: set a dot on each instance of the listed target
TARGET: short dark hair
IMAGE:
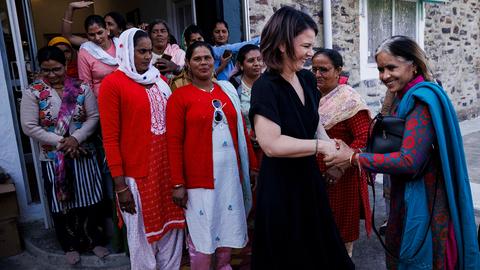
(51, 53)
(155, 22)
(191, 29)
(139, 35)
(94, 19)
(408, 49)
(280, 30)
(196, 44)
(334, 56)
(118, 18)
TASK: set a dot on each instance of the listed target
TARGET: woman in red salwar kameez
(132, 111)
(345, 116)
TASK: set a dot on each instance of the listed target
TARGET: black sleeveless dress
(294, 226)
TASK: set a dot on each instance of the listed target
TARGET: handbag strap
(377, 117)
(372, 184)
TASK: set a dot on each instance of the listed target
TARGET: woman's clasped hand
(70, 146)
(341, 157)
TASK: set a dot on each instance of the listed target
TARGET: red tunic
(189, 134)
(132, 150)
(349, 196)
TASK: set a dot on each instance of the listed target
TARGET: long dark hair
(280, 30)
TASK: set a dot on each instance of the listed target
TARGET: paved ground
(367, 254)
(471, 143)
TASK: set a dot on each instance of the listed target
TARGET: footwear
(100, 251)
(73, 257)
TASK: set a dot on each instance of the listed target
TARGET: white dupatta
(231, 92)
(100, 54)
(125, 57)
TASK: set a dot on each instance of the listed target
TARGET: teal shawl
(457, 185)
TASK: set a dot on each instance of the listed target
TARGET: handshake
(338, 157)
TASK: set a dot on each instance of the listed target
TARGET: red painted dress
(134, 137)
(349, 196)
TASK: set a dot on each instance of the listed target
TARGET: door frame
(29, 210)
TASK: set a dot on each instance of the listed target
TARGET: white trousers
(164, 254)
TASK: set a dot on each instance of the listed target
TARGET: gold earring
(415, 72)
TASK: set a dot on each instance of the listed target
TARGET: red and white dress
(345, 116)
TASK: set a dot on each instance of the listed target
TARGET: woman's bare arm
(67, 22)
(274, 144)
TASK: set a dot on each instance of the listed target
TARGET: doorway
(19, 49)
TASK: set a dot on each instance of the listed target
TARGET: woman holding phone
(168, 58)
(224, 52)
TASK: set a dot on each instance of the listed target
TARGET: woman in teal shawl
(431, 223)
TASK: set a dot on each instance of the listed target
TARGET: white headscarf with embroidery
(126, 60)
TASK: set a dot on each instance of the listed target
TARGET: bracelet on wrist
(121, 190)
(353, 157)
(316, 147)
(67, 21)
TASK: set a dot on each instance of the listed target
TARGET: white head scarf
(126, 60)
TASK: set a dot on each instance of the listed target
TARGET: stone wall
(346, 40)
(452, 43)
(261, 10)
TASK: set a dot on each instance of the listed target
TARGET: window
(380, 20)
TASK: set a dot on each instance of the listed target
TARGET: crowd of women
(258, 138)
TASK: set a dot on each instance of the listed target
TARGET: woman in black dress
(294, 227)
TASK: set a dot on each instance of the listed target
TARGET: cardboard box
(9, 238)
(8, 201)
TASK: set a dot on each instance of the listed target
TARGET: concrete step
(42, 244)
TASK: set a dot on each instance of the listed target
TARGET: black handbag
(385, 134)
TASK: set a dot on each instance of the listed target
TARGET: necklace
(245, 86)
(205, 90)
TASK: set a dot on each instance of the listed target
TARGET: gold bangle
(122, 190)
(316, 147)
(67, 21)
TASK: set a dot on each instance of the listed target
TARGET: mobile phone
(166, 57)
(226, 53)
